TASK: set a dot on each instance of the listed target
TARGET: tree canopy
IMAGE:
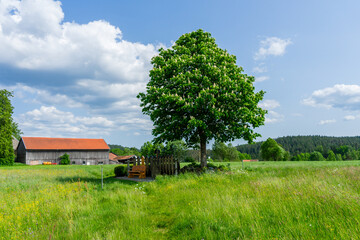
(197, 93)
(222, 152)
(6, 128)
(307, 144)
(272, 151)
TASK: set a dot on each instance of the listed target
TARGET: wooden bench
(138, 170)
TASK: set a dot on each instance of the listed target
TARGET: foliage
(301, 157)
(6, 128)
(221, 152)
(338, 157)
(65, 159)
(243, 156)
(112, 146)
(331, 156)
(149, 149)
(286, 156)
(352, 155)
(307, 144)
(190, 160)
(16, 132)
(196, 168)
(316, 156)
(272, 151)
(197, 93)
(121, 170)
(125, 151)
(178, 149)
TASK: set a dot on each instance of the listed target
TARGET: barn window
(100, 163)
(84, 162)
(73, 162)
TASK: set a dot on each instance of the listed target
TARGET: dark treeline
(123, 151)
(112, 146)
(304, 144)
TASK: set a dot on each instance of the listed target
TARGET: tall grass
(265, 201)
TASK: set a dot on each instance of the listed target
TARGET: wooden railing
(158, 165)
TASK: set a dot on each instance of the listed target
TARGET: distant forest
(112, 146)
(304, 144)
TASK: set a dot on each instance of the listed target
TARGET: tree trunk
(203, 159)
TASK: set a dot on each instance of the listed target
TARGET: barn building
(112, 158)
(36, 150)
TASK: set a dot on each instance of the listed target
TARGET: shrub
(121, 170)
(196, 168)
(338, 157)
(190, 159)
(65, 159)
(316, 156)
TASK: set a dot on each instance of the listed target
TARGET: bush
(196, 168)
(316, 156)
(65, 159)
(121, 170)
(190, 159)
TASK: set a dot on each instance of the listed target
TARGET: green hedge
(121, 170)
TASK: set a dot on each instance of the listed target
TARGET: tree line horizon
(299, 148)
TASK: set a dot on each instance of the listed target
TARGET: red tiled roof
(40, 143)
(112, 157)
(125, 157)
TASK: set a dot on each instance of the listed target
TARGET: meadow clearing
(267, 200)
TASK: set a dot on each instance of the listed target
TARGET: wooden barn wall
(34, 157)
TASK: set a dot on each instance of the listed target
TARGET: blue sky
(76, 66)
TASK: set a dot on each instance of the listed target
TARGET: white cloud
(323, 122)
(272, 46)
(259, 69)
(269, 104)
(49, 121)
(88, 66)
(31, 94)
(346, 97)
(37, 38)
(349, 117)
(272, 116)
(261, 79)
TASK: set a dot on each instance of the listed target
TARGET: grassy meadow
(266, 200)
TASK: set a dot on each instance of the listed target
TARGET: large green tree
(270, 150)
(222, 152)
(197, 93)
(6, 128)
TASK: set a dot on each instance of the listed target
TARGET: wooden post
(147, 166)
(167, 165)
(164, 165)
(153, 174)
(171, 165)
(176, 167)
(128, 166)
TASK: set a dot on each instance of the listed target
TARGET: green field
(267, 200)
